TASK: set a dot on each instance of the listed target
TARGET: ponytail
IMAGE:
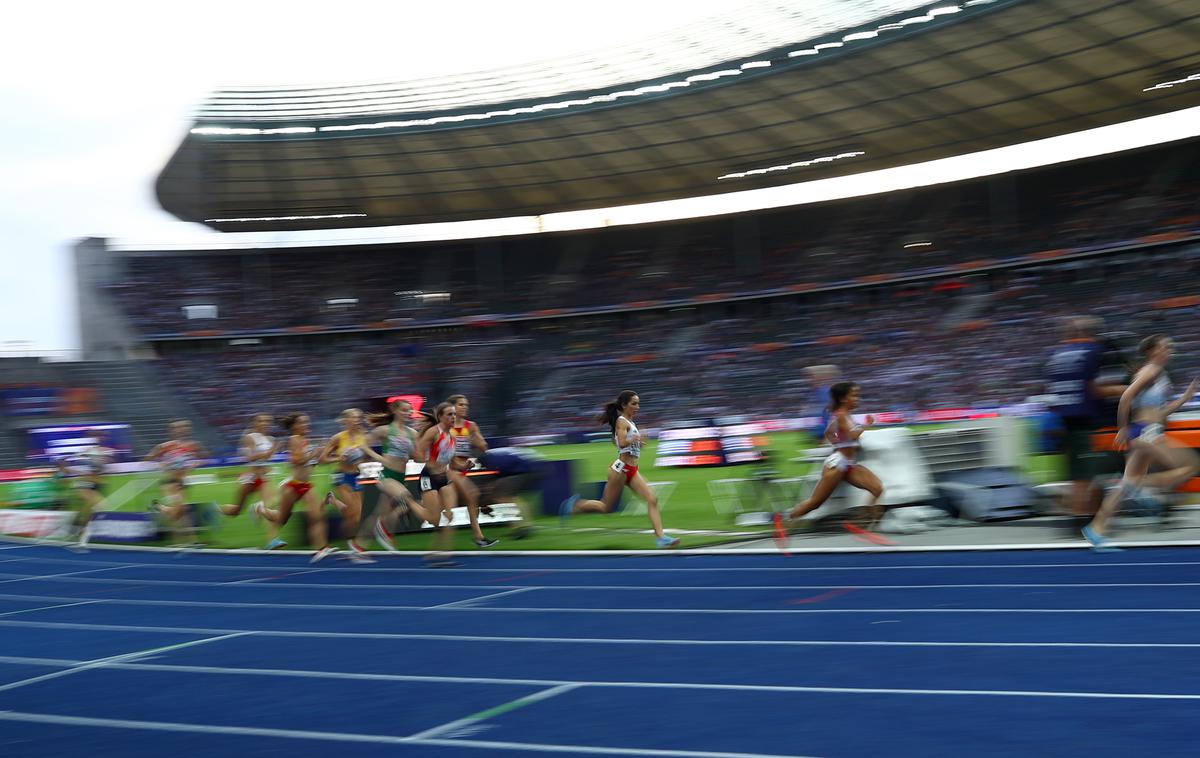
(289, 421)
(612, 410)
(380, 419)
(430, 420)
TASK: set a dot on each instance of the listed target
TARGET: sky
(95, 97)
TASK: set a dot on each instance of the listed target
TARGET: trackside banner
(123, 527)
(27, 523)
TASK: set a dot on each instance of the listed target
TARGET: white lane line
(50, 607)
(15, 547)
(116, 663)
(469, 602)
(534, 747)
(553, 609)
(27, 661)
(246, 731)
(277, 575)
(67, 575)
(265, 581)
(598, 641)
(100, 662)
(588, 640)
(520, 702)
(616, 558)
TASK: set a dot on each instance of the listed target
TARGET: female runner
(1145, 438)
(256, 446)
(842, 433)
(346, 447)
(468, 442)
(618, 415)
(299, 487)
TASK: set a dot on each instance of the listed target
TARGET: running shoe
(1099, 543)
(276, 544)
(355, 547)
(440, 561)
(781, 535)
(77, 547)
(567, 507)
(485, 542)
(521, 532)
(355, 557)
(666, 541)
(865, 535)
(322, 554)
(384, 537)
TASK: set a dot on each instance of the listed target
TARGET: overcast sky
(96, 96)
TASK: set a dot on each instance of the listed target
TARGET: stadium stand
(919, 232)
(887, 83)
(903, 343)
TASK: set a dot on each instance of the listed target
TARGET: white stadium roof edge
(745, 30)
(1090, 143)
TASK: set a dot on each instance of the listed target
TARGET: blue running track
(1046, 653)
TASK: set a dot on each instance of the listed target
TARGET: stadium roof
(889, 90)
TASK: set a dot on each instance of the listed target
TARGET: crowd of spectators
(913, 346)
(1110, 201)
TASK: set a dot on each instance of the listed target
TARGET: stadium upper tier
(809, 98)
(746, 31)
(1057, 212)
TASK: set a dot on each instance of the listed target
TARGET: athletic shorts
(433, 482)
(300, 488)
(1148, 433)
(342, 479)
(254, 481)
(621, 467)
(840, 462)
(395, 476)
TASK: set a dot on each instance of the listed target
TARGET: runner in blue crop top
(1141, 418)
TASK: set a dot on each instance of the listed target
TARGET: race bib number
(426, 485)
(619, 466)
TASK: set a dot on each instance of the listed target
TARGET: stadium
(926, 205)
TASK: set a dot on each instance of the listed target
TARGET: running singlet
(834, 435)
(83, 464)
(634, 439)
(347, 447)
(398, 443)
(463, 447)
(178, 456)
(1154, 396)
(259, 444)
(442, 450)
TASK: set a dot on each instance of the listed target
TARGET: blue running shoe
(275, 544)
(666, 541)
(1099, 544)
(567, 506)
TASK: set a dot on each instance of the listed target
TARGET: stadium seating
(902, 234)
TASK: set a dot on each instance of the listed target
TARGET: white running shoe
(322, 554)
(384, 537)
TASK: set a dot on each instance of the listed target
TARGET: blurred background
(237, 210)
